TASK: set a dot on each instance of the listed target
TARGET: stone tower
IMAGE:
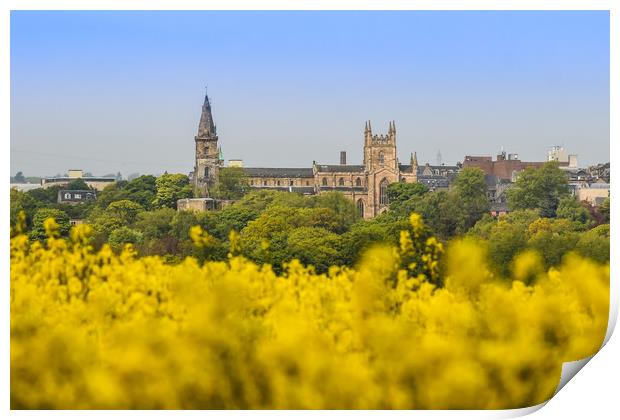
(208, 162)
(381, 166)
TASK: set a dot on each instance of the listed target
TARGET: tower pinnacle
(206, 127)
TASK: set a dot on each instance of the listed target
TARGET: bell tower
(208, 162)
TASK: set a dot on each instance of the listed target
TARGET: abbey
(364, 184)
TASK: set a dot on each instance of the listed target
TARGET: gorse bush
(95, 329)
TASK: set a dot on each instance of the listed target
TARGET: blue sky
(114, 91)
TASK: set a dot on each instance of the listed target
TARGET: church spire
(206, 127)
(414, 159)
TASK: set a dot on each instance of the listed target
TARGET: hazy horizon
(116, 91)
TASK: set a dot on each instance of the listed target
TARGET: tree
(154, 224)
(232, 184)
(20, 178)
(539, 188)
(399, 192)
(571, 209)
(441, 211)
(315, 246)
(471, 189)
(124, 210)
(342, 208)
(45, 196)
(233, 217)
(604, 209)
(170, 188)
(20, 201)
(78, 184)
(123, 235)
(505, 242)
(595, 244)
(38, 228)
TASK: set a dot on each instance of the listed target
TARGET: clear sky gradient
(122, 91)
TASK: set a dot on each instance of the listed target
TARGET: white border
(572, 406)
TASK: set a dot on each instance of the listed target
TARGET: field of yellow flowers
(98, 330)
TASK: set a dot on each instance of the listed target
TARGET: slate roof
(340, 168)
(279, 172)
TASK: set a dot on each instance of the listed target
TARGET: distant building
(97, 183)
(594, 193)
(76, 196)
(24, 186)
(196, 204)
(558, 154)
(506, 167)
(235, 163)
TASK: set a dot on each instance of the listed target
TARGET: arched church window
(324, 182)
(383, 198)
(206, 172)
(360, 207)
(358, 182)
(341, 182)
(278, 183)
(381, 158)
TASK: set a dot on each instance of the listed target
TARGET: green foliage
(595, 244)
(38, 228)
(344, 209)
(399, 192)
(604, 210)
(140, 190)
(125, 210)
(539, 188)
(506, 240)
(155, 224)
(20, 201)
(170, 188)
(123, 235)
(471, 190)
(231, 218)
(78, 184)
(19, 178)
(232, 185)
(571, 209)
(313, 246)
(45, 196)
(442, 212)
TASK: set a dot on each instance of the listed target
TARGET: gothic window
(324, 182)
(291, 182)
(358, 182)
(383, 198)
(381, 158)
(360, 207)
(206, 172)
(278, 183)
(341, 182)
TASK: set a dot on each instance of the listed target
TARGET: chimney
(343, 158)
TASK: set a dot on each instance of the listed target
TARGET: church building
(365, 184)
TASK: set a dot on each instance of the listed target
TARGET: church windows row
(341, 182)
